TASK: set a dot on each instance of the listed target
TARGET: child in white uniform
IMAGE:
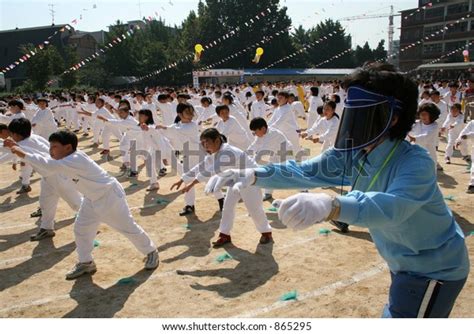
(468, 134)
(425, 130)
(15, 109)
(221, 157)
(314, 102)
(104, 200)
(326, 127)
(268, 142)
(231, 128)
(284, 119)
(43, 122)
(259, 108)
(454, 125)
(53, 186)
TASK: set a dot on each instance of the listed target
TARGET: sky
(98, 15)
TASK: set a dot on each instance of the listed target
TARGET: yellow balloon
(259, 51)
(198, 48)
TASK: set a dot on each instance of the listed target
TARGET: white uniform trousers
(25, 172)
(52, 188)
(108, 131)
(252, 197)
(111, 209)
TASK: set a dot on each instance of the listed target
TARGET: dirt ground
(334, 275)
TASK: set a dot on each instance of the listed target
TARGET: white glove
(211, 185)
(303, 210)
(236, 178)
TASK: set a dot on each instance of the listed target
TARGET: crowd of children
(205, 130)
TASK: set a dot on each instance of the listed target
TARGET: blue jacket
(405, 212)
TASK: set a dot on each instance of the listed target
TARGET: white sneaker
(81, 269)
(152, 260)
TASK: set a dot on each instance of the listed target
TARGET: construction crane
(391, 25)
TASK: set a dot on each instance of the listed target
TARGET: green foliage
(158, 45)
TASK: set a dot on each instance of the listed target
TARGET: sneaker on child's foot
(81, 269)
(42, 234)
(36, 214)
(187, 210)
(152, 260)
(23, 190)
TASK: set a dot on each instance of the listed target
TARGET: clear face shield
(367, 117)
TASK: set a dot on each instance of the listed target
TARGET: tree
(337, 41)
(70, 79)
(42, 66)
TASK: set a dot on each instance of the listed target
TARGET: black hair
(183, 96)
(274, 102)
(206, 99)
(314, 91)
(320, 110)
(125, 102)
(284, 94)
(258, 123)
(163, 97)
(16, 103)
(21, 127)
(337, 98)
(260, 92)
(332, 104)
(100, 100)
(213, 134)
(220, 108)
(183, 106)
(458, 106)
(229, 98)
(453, 85)
(3, 127)
(431, 109)
(382, 78)
(435, 92)
(64, 137)
(148, 114)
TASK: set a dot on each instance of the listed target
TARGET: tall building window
(432, 48)
(458, 8)
(434, 12)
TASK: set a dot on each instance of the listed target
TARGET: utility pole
(52, 12)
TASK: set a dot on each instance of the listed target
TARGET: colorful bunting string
(210, 45)
(44, 44)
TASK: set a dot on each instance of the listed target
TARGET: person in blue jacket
(394, 193)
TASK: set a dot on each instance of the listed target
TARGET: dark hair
(435, 92)
(331, 104)
(16, 103)
(148, 114)
(100, 100)
(3, 127)
(260, 92)
(453, 85)
(337, 98)
(314, 91)
(21, 127)
(206, 99)
(320, 110)
(382, 78)
(284, 94)
(273, 102)
(220, 108)
(163, 97)
(458, 106)
(229, 98)
(183, 106)
(64, 137)
(431, 109)
(183, 96)
(125, 102)
(213, 134)
(258, 123)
